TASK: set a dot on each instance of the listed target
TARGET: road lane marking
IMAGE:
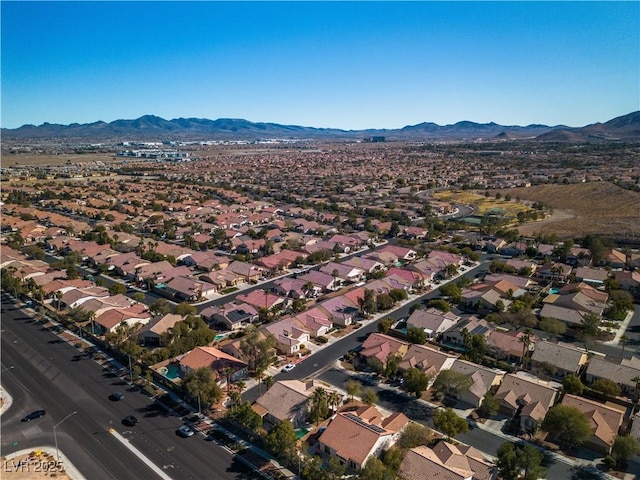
(157, 470)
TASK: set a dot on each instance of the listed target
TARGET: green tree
(319, 404)
(417, 335)
(384, 301)
(451, 383)
(334, 469)
(200, 383)
(606, 386)
(374, 469)
(160, 307)
(475, 346)
(439, 303)
(625, 447)
(393, 363)
(138, 297)
(281, 439)
(185, 308)
(452, 291)
(415, 381)
(449, 423)
(369, 396)
(572, 385)
(352, 388)
(414, 435)
(117, 289)
(508, 468)
(242, 413)
(552, 326)
(568, 424)
(490, 405)
(384, 325)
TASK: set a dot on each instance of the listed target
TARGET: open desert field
(482, 203)
(40, 160)
(598, 208)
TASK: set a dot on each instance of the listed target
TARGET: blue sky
(348, 65)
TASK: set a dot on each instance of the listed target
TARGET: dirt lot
(62, 159)
(598, 208)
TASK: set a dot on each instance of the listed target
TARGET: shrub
(322, 339)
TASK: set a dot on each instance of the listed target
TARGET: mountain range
(154, 128)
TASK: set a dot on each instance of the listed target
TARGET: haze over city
(340, 65)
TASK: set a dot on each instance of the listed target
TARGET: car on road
(184, 431)
(117, 396)
(288, 367)
(130, 421)
(34, 415)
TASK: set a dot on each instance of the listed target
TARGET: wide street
(40, 371)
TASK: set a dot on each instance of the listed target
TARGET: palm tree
(334, 400)
(228, 371)
(58, 295)
(636, 392)
(91, 317)
(318, 401)
(526, 341)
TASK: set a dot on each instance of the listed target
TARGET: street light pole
(55, 437)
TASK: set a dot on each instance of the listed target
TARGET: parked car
(288, 367)
(184, 431)
(34, 415)
(130, 421)
(117, 396)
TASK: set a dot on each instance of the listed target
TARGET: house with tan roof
(483, 378)
(565, 358)
(315, 320)
(131, 316)
(151, 334)
(432, 321)
(354, 437)
(369, 265)
(340, 310)
(605, 421)
(288, 400)
(346, 273)
(217, 360)
(76, 297)
(261, 299)
(527, 395)
(426, 359)
(446, 461)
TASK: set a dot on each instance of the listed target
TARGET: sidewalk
(621, 329)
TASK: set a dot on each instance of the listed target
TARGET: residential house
(287, 400)
(231, 316)
(324, 281)
(510, 346)
(290, 335)
(564, 358)
(340, 310)
(455, 336)
(290, 287)
(315, 320)
(260, 299)
(527, 395)
(591, 276)
(446, 461)
(151, 334)
(76, 297)
(426, 359)
(433, 321)
(482, 298)
(217, 360)
(483, 378)
(622, 372)
(628, 280)
(369, 265)
(354, 437)
(402, 253)
(343, 272)
(605, 421)
(379, 347)
(249, 272)
(187, 289)
(132, 316)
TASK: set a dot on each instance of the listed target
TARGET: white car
(288, 367)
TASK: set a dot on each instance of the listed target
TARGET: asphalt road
(49, 374)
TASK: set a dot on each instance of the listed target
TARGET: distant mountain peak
(152, 127)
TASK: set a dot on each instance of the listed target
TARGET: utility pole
(55, 437)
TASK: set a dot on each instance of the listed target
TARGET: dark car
(117, 396)
(34, 415)
(130, 421)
